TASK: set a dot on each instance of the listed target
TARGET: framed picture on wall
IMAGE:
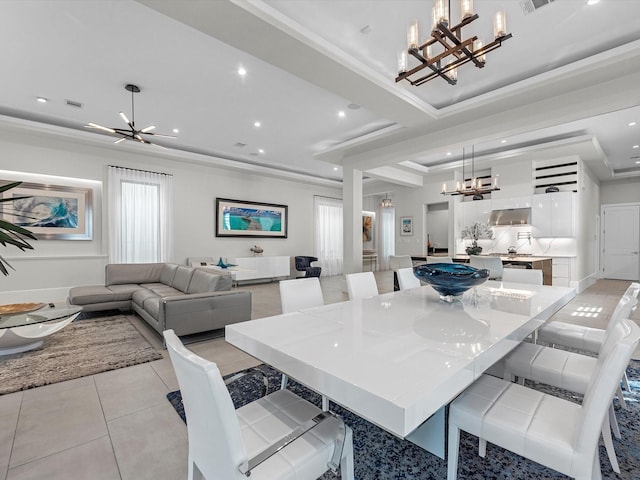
(242, 218)
(51, 212)
(406, 225)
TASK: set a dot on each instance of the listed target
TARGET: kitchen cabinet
(475, 211)
(511, 202)
(561, 272)
(553, 214)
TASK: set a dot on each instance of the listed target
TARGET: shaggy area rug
(82, 348)
(378, 455)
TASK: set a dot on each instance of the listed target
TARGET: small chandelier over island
(456, 51)
(474, 185)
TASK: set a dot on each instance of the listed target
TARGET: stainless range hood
(510, 217)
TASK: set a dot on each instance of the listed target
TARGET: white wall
(46, 273)
(626, 190)
(588, 227)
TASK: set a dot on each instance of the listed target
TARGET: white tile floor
(119, 425)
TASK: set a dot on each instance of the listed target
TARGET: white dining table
(398, 359)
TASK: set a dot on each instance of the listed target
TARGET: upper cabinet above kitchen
(553, 214)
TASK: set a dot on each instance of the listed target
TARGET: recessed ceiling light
(242, 71)
(335, 169)
(260, 150)
(256, 124)
(638, 162)
(632, 124)
(175, 130)
(341, 114)
(503, 141)
(592, 2)
(636, 146)
(42, 100)
(448, 154)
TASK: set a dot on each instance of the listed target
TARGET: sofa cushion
(89, 294)
(120, 273)
(165, 291)
(168, 272)
(152, 306)
(203, 282)
(182, 278)
(139, 296)
(124, 291)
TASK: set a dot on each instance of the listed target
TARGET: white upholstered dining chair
(522, 275)
(279, 436)
(433, 259)
(296, 295)
(406, 279)
(493, 264)
(361, 285)
(554, 432)
(570, 370)
(300, 293)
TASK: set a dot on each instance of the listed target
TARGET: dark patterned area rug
(82, 348)
(378, 455)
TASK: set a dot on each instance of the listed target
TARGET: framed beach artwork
(242, 218)
(406, 225)
(51, 212)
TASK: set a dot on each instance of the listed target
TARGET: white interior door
(621, 242)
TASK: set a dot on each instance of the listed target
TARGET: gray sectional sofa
(165, 295)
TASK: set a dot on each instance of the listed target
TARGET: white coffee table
(25, 331)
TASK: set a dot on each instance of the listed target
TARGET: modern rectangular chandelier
(456, 50)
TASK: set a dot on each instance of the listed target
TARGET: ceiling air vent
(239, 144)
(530, 6)
(74, 104)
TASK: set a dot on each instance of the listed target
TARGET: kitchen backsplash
(505, 237)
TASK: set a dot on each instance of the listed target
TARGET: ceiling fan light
(148, 129)
(100, 127)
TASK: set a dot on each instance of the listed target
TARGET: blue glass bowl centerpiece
(450, 280)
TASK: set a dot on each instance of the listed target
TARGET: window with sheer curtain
(140, 216)
(327, 214)
(387, 236)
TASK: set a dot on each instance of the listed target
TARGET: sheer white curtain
(327, 215)
(140, 216)
(387, 236)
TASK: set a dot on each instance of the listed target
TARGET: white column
(352, 219)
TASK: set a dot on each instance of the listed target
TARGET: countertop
(509, 258)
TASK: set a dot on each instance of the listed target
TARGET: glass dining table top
(396, 358)
(45, 313)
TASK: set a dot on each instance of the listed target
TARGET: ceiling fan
(131, 133)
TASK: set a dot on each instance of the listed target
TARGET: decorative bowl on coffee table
(450, 280)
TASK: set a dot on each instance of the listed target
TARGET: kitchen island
(512, 261)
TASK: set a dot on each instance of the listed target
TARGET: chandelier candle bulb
(402, 62)
(442, 11)
(412, 35)
(477, 45)
(466, 7)
(499, 25)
